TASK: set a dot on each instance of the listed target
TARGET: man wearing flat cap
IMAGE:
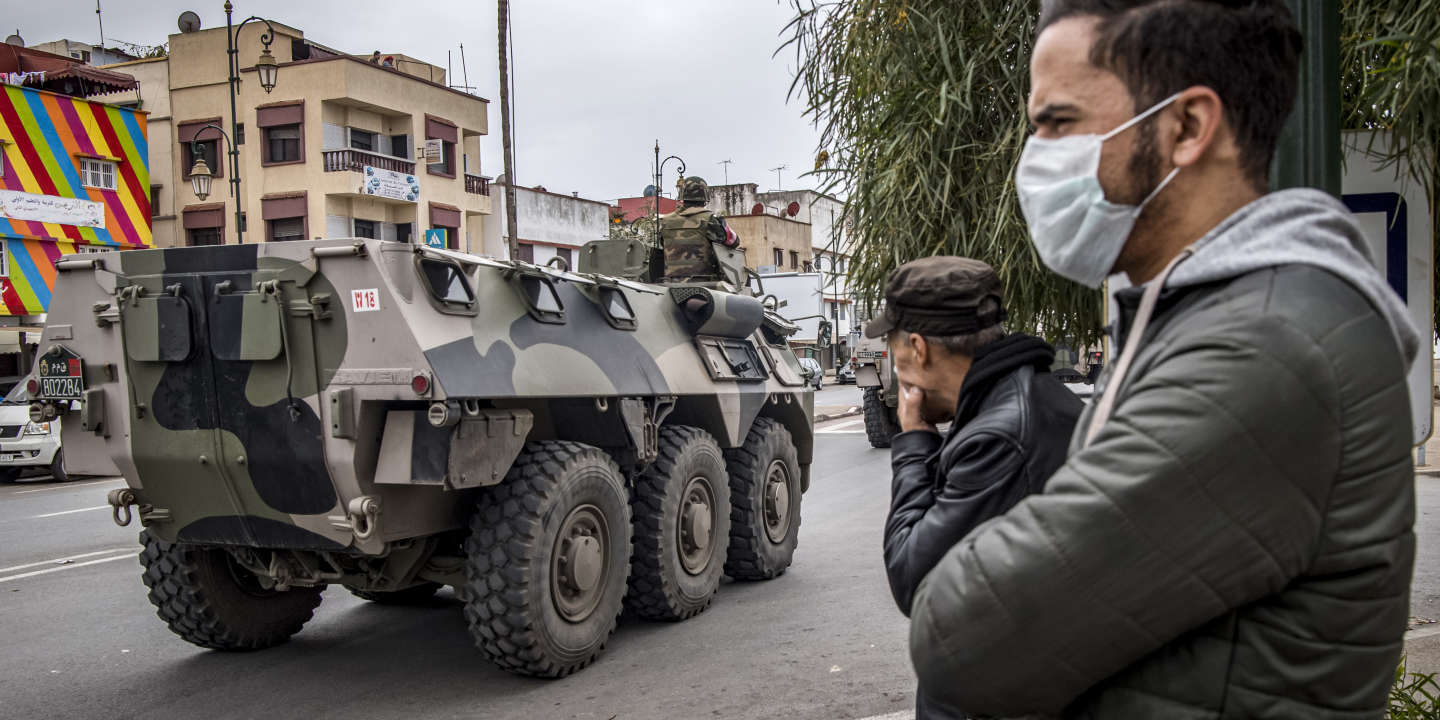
(1010, 419)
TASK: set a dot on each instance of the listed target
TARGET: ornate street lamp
(266, 68)
(201, 175)
(659, 176)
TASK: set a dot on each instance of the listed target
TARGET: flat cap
(939, 296)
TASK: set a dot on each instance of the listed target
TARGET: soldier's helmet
(694, 191)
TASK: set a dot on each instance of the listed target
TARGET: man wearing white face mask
(1231, 533)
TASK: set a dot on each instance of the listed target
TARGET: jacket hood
(1298, 227)
(993, 362)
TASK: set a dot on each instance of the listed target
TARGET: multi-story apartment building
(549, 225)
(73, 178)
(336, 149)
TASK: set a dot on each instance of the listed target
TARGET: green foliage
(1414, 696)
(921, 110)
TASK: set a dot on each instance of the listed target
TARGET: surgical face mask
(1078, 233)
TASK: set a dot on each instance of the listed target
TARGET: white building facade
(549, 225)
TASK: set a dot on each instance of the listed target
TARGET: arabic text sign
(18, 205)
(390, 184)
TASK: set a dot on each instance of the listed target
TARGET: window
(400, 146)
(839, 264)
(564, 254)
(526, 252)
(207, 152)
(403, 232)
(842, 311)
(779, 258)
(365, 228)
(448, 134)
(794, 260)
(282, 132)
(284, 229)
(155, 201)
(203, 236)
(362, 140)
(808, 266)
(240, 134)
(282, 144)
(97, 173)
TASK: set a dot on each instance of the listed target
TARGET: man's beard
(1144, 166)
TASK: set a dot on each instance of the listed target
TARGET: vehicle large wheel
(681, 515)
(57, 467)
(881, 422)
(421, 594)
(764, 503)
(547, 559)
(211, 601)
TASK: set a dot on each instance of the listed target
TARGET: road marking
(67, 486)
(68, 512)
(64, 559)
(836, 428)
(129, 555)
(905, 715)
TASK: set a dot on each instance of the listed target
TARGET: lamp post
(267, 71)
(659, 176)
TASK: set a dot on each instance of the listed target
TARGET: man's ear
(1201, 127)
(919, 348)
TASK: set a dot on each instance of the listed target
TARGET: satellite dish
(15, 39)
(189, 22)
(759, 209)
(792, 209)
(650, 191)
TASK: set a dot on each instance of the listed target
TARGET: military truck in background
(393, 418)
(875, 376)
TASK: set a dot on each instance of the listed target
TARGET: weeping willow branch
(921, 109)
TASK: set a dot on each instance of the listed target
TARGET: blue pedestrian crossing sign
(435, 238)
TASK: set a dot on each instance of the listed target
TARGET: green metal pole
(1309, 151)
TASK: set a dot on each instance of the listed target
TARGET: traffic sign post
(1395, 214)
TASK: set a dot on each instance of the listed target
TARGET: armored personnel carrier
(392, 418)
(875, 376)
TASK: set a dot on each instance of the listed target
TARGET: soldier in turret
(687, 233)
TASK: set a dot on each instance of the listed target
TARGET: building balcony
(477, 184)
(356, 160)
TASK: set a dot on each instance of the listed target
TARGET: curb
(852, 412)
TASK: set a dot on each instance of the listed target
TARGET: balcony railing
(356, 160)
(477, 184)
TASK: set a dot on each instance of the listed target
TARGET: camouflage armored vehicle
(875, 377)
(394, 418)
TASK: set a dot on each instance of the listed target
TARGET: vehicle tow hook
(120, 501)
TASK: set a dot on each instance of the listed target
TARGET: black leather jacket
(1012, 428)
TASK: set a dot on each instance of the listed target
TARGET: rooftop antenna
(776, 170)
(465, 71)
(726, 164)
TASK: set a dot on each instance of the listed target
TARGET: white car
(27, 445)
(817, 375)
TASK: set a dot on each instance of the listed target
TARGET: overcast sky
(596, 81)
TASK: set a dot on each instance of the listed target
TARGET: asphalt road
(79, 640)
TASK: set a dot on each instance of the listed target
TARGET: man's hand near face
(912, 409)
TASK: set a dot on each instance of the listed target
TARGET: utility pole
(779, 185)
(512, 234)
(1309, 150)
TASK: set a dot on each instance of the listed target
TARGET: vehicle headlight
(34, 428)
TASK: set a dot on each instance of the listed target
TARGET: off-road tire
(421, 594)
(510, 602)
(753, 554)
(202, 597)
(881, 423)
(661, 586)
(57, 467)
